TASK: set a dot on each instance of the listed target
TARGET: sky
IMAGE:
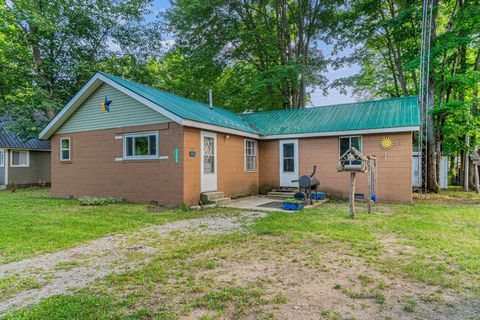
(317, 97)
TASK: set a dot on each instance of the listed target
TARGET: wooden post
(477, 179)
(369, 184)
(352, 195)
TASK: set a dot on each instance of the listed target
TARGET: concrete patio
(262, 203)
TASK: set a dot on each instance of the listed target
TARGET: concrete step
(207, 197)
(285, 189)
(221, 201)
(280, 195)
(277, 193)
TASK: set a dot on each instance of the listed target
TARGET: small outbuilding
(120, 138)
(23, 163)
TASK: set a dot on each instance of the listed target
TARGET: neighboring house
(120, 138)
(23, 163)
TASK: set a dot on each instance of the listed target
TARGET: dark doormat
(273, 204)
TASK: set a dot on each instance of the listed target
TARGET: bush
(91, 201)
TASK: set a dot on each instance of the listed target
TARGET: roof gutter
(206, 126)
(340, 133)
(212, 127)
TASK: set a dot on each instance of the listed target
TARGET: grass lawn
(406, 261)
(33, 223)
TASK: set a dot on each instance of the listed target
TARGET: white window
(348, 142)
(20, 158)
(250, 155)
(137, 146)
(65, 149)
(2, 158)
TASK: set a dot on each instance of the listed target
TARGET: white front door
(209, 161)
(288, 163)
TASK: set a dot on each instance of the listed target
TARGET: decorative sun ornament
(386, 143)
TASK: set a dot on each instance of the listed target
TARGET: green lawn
(433, 245)
(33, 223)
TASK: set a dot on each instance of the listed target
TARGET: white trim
(75, 102)
(2, 161)
(6, 167)
(295, 173)
(21, 165)
(204, 187)
(350, 145)
(340, 133)
(245, 155)
(212, 127)
(354, 136)
(141, 99)
(69, 149)
(136, 135)
(86, 91)
(24, 149)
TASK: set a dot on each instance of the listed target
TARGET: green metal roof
(378, 114)
(185, 108)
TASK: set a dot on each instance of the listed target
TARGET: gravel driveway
(61, 272)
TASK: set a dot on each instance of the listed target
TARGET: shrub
(92, 201)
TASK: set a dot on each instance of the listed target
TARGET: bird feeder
(354, 161)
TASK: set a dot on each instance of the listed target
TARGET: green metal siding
(185, 108)
(379, 114)
(124, 112)
(387, 113)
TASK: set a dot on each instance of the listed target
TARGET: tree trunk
(432, 180)
(476, 96)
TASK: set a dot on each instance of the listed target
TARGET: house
(120, 138)
(23, 163)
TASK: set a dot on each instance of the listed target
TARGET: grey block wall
(37, 173)
(2, 176)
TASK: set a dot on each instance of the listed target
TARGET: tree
(53, 47)
(386, 38)
(276, 39)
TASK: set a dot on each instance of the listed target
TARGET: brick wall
(93, 170)
(394, 172)
(269, 165)
(231, 176)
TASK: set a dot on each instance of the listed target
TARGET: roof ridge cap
(330, 105)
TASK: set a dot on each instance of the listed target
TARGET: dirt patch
(334, 284)
(77, 267)
(394, 248)
(450, 198)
